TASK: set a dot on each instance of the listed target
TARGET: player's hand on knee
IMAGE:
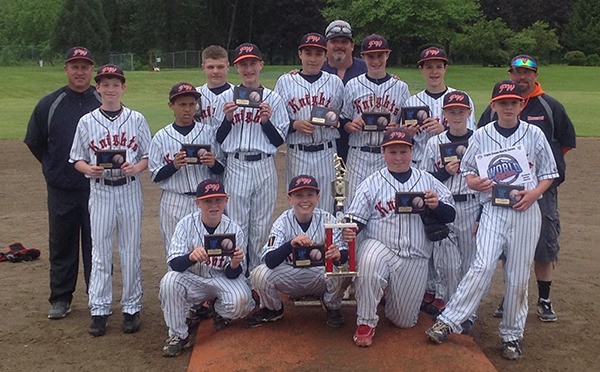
(431, 199)
(453, 167)
(229, 108)
(479, 184)
(179, 160)
(333, 253)
(348, 234)
(304, 127)
(199, 255)
(356, 125)
(238, 257)
(265, 112)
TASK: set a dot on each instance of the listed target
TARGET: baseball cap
(506, 89)
(432, 53)
(397, 136)
(456, 99)
(524, 61)
(110, 71)
(79, 52)
(374, 43)
(246, 50)
(313, 39)
(302, 181)
(210, 188)
(183, 89)
(338, 28)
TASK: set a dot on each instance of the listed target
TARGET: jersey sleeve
(79, 150)
(279, 117)
(277, 236)
(468, 164)
(144, 137)
(544, 160)
(156, 154)
(362, 203)
(347, 106)
(180, 241)
(431, 156)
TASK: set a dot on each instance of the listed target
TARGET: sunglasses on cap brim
(340, 30)
(526, 63)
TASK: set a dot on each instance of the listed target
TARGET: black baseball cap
(313, 39)
(397, 136)
(210, 188)
(456, 99)
(303, 181)
(79, 53)
(110, 71)
(338, 28)
(183, 88)
(373, 44)
(506, 89)
(432, 53)
(523, 61)
(246, 50)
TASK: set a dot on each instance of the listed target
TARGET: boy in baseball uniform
(311, 147)
(303, 225)
(510, 152)
(115, 196)
(195, 276)
(250, 135)
(177, 173)
(215, 64)
(373, 92)
(394, 250)
(443, 154)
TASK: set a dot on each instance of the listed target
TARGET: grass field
(578, 88)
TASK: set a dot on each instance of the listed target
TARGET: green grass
(577, 88)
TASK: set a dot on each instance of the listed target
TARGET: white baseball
(201, 152)
(331, 116)
(118, 159)
(254, 96)
(422, 115)
(315, 255)
(227, 244)
(514, 196)
(418, 202)
(460, 150)
(382, 121)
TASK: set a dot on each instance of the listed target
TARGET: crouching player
(198, 277)
(303, 225)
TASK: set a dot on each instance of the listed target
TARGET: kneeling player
(198, 277)
(303, 225)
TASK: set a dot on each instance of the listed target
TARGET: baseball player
(433, 64)
(453, 255)
(394, 250)
(167, 159)
(215, 64)
(375, 91)
(514, 230)
(302, 225)
(550, 116)
(196, 276)
(250, 137)
(311, 147)
(115, 196)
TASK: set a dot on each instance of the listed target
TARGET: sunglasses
(524, 62)
(339, 30)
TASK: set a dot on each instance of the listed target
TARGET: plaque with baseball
(412, 115)
(324, 116)
(452, 151)
(375, 121)
(110, 159)
(247, 97)
(193, 152)
(506, 195)
(410, 202)
(308, 256)
(219, 244)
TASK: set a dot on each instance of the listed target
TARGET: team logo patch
(246, 49)
(214, 187)
(313, 39)
(454, 97)
(80, 52)
(431, 53)
(185, 88)
(504, 169)
(375, 44)
(108, 70)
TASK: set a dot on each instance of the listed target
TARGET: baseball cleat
(175, 345)
(98, 325)
(512, 350)
(59, 310)
(131, 322)
(220, 323)
(335, 319)
(363, 336)
(264, 315)
(545, 311)
(438, 332)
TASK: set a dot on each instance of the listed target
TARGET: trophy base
(347, 274)
(317, 303)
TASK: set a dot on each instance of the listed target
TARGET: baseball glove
(434, 229)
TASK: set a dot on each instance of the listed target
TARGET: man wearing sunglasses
(550, 115)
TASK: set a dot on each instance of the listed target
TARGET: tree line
(484, 32)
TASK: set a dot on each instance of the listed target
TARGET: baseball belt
(117, 182)
(312, 148)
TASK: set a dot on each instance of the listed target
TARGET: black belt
(191, 193)
(117, 182)
(255, 157)
(463, 197)
(313, 148)
(371, 149)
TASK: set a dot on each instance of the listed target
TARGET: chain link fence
(181, 59)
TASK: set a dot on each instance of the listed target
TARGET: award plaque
(324, 116)
(410, 202)
(412, 115)
(506, 195)
(193, 152)
(452, 151)
(309, 256)
(110, 159)
(247, 97)
(219, 244)
(375, 121)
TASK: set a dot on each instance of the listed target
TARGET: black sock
(544, 289)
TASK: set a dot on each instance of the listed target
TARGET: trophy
(339, 186)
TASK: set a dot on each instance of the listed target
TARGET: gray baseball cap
(338, 28)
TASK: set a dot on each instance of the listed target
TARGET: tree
(583, 30)
(484, 42)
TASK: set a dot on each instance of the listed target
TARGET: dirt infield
(31, 342)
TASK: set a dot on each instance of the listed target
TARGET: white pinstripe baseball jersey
(435, 106)
(210, 106)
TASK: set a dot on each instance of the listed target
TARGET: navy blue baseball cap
(313, 39)
(110, 71)
(432, 53)
(303, 181)
(183, 88)
(79, 53)
(210, 188)
(456, 99)
(246, 50)
(397, 136)
(373, 44)
(506, 89)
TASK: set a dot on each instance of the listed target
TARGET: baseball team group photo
(339, 213)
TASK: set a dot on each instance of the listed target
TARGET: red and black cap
(397, 136)
(506, 89)
(456, 99)
(303, 181)
(110, 71)
(523, 61)
(210, 188)
(432, 53)
(313, 39)
(79, 53)
(247, 50)
(181, 89)
(373, 44)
